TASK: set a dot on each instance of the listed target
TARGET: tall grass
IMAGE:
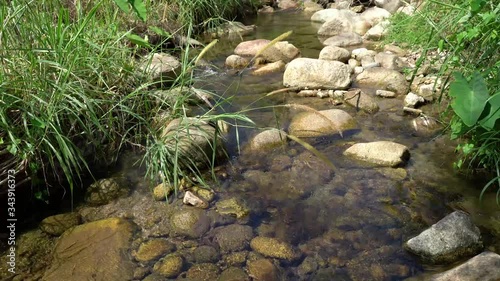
(466, 33)
(72, 95)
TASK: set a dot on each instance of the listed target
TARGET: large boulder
(329, 14)
(282, 50)
(195, 139)
(484, 267)
(94, 251)
(382, 79)
(268, 139)
(383, 153)
(345, 39)
(334, 53)
(317, 74)
(375, 15)
(161, 67)
(451, 238)
(321, 123)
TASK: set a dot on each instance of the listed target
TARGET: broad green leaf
(38, 123)
(1, 140)
(136, 39)
(469, 97)
(123, 5)
(159, 31)
(489, 121)
(139, 8)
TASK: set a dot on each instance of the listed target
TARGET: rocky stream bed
(278, 211)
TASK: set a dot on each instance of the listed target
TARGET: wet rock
(153, 249)
(193, 200)
(308, 93)
(308, 266)
(484, 267)
(233, 206)
(236, 258)
(141, 272)
(234, 274)
(412, 100)
(389, 5)
(97, 248)
(282, 50)
(330, 14)
(361, 100)
(360, 53)
(357, 9)
(206, 254)
(385, 94)
(321, 123)
(203, 272)
(345, 39)
(233, 237)
(104, 191)
(383, 79)
(237, 62)
(266, 10)
(162, 191)
(170, 266)
(268, 139)
(312, 7)
(161, 67)
(232, 29)
(366, 61)
(395, 50)
(319, 74)
(398, 174)
(451, 238)
(195, 140)
(263, 270)
(358, 70)
(56, 225)
(374, 15)
(387, 60)
(270, 68)
(274, 248)
(378, 31)
(334, 53)
(205, 194)
(335, 27)
(190, 222)
(383, 153)
(287, 4)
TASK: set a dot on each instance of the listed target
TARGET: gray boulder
(268, 139)
(234, 237)
(190, 222)
(161, 67)
(321, 123)
(282, 50)
(317, 74)
(452, 238)
(484, 267)
(329, 14)
(383, 153)
(334, 53)
(383, 79)
(345, 39)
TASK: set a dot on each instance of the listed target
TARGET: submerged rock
(233, 237)
(205, 254)
(237, 62)
(453, 237)
(233, 206)
(104, 191)
(384, 153)
(234, 274)
(195, 201)
(170, 266)
(203, 272)
(321, 123)
(263, 269)
(274, 248)
(232, 29)
(282, 50)
(58, 224)
(162, 191)
(361, 100)
(190, 222)
(153, 249)
(317, 74)
(484, 267)
(97, 249)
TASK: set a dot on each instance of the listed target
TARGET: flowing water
(356, 219)
(350, 222)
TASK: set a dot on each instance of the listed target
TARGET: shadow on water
(354, 219)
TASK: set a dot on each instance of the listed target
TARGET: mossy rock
(153, 249)
(232, 206)
(104, 191)
(205, 254)
(190, 222)
(170, 266)
(274, 248)
(203, 272)
(263, 269)
(234, 274)
(58, 224)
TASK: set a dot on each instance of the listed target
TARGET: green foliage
(467, 33)
(138, 6)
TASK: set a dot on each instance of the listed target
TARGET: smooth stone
(382, 79)
(345, 39)
(383, 153)
(321, 123)
(190, 222)
(170, 266)
(203, 272)
(58, 224)
(161, 66)
(484, 267)
(335, 27)
(233, 238)
(263, 269)
(268, 139)
(153, 249)
(387, 60)
(329, 14)
(361, 100)
(237, 62)
(307, 73)
(270, 68)
(334, 53)
(385, 94)
(274, 248)
(282, 50)
(374, 15)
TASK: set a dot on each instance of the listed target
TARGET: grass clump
(466, 34)
(72, 95)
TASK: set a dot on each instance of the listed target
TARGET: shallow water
(356, 218)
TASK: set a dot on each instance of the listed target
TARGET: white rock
(385, 94)
(389, 5)
(317, 74)
(268, 139)
(358, 70)
(412, 100)
(387, 60)
(329, 14)
(193, 200)
(378, 31)
(344, 40)
(375, 15)
(161, 66)
(321, 123)
(383, 79)
(383, 153)
(235, 61)
(334, 53)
